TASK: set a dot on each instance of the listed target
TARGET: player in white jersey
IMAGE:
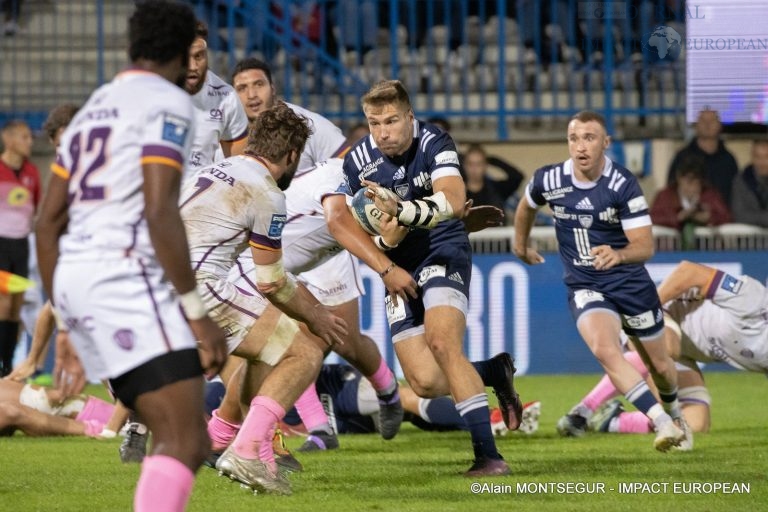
(232, 205)
(709, 316)
(123, 285)
(220, 121)
(334, 282)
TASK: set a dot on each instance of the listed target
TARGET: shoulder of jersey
(214, 83)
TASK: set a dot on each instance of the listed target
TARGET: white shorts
(336, 281)
(121, 313)
(234, 309)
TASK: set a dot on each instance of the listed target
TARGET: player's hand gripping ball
(366, 213)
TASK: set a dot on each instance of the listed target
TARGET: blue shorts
(636, 302)
(449, 267)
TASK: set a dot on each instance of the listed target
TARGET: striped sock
(476, 415)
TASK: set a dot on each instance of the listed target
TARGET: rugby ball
(366, 213)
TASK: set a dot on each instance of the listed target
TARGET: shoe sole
(511, 413)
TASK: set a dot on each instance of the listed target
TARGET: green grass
(421, 471)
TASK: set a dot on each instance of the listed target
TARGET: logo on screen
(663, 43)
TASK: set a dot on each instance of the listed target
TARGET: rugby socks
(9, 336)
(311, 411)
(165, 484)
(605, 390)
(383, 380)
(633, 422)
(254, 441)
(442, 412)
(474, 411)
(669, 402)
(488, 371)
(642, 398)
(221, 431)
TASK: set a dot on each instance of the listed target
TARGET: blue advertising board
(523, 309)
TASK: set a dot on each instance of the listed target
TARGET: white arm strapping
(427, 212)
(272, 280)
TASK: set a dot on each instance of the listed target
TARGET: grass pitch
(421, 471)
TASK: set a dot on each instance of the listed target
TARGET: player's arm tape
(192, 304)
(426, 212)
(61, 326)
(272, 280)
(381, 244)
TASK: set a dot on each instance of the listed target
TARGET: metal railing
(492, 66)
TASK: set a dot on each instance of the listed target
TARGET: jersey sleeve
(534, 190)
(332, 180)
(236, 127)
(744, 296)
(327, 140)
(167, 134)
(445, 158)
(633, 208)
(269, 218)
(61, 165)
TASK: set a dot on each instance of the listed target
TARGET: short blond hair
(387, 92)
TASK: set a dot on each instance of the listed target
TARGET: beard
(285, 180)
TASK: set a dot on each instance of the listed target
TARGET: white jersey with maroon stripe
(137, 118)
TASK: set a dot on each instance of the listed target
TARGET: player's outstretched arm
(683, 278)
(524, 218)
(294, 299)
(169, 239)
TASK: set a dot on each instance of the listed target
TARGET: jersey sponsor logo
(642, 321)
(221, 175)
(402, 190)
(175, 129)
(610, 215)
(218, 90)
(585, 204)
(394, 313)
(100, 114)
(429, 272)
(423, 180)
(456, 277)
(447, 157)
(370, 168)
(583, 297)
(124, 338)
(585, 221)
(276, 225)
(18, 196)
(637, 204)
(216, 114)
(560, 213)
(557, 193)
(731, 284)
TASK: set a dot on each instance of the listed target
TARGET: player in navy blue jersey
(604, 232)
(412, 169)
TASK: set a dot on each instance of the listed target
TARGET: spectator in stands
(481, 187)
(19, 198)
(719, 164)
(689, 199)
(11, 8)
(750, 189)
(357, 132)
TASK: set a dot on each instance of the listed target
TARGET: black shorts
(156, 373)
(14, 256)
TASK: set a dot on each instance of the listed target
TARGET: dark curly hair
(160, 31)
(59, 117)
(277, 132)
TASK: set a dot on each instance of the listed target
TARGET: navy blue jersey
(589, 214)
(432, 155)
